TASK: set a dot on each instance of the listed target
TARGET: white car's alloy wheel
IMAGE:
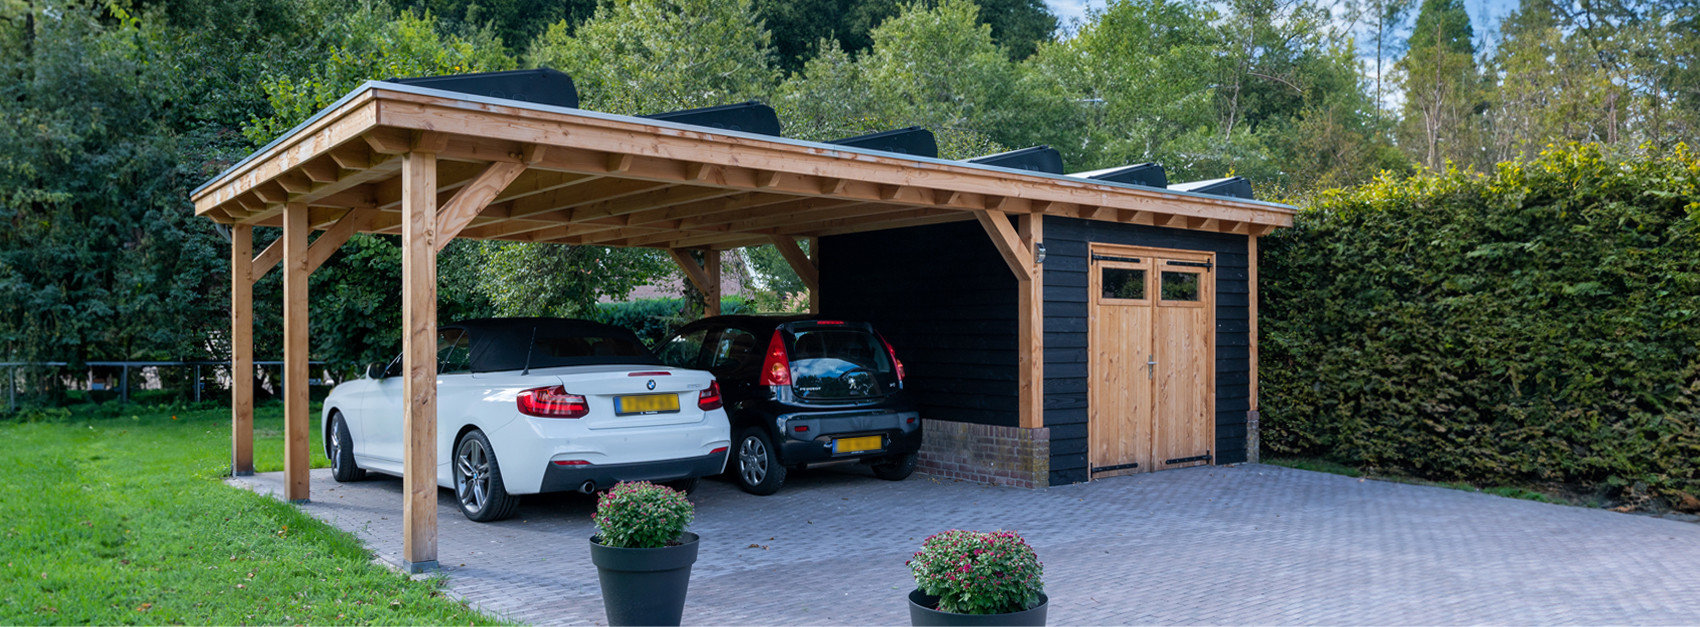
(472, 474)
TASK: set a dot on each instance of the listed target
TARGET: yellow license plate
(647, 404)
(856, 445)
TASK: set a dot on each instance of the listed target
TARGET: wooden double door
(1153, 357)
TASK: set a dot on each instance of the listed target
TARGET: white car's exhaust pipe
(588, 487)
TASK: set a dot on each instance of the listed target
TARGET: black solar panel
(914, 141)
(745, 117)
(1231, 187)
(542, 85)
(1038, 159)
(1148, 174)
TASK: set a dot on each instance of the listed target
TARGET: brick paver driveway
(1249, 544)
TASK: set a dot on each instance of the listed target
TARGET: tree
(515, 22)
(649, 56)
(101, 257)
(1443, 87)
(1551, 87)
(373, 42)
(798, 25)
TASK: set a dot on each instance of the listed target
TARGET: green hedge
(653, 319)
(1540, 325)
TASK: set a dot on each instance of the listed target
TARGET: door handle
(1151, 367)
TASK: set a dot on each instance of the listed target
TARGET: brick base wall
(1009, 456)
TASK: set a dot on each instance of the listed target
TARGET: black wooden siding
(1066, 264)
(945, 299)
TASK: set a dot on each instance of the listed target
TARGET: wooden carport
(432, 165)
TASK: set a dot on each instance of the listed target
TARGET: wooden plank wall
(1066, 330)
(945, 299)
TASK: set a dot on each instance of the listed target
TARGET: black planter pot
(923, 614)
(645, 586)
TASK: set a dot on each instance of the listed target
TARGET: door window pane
(1180, 286)
(1123, 283)
(735, 353)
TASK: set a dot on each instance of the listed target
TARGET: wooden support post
(711, 268)
(419, 360)
(241, 350)
(296, 460)
(814, 259)
(1030, 327)
(1254, 418)
(1251, 284)
(1017, 244)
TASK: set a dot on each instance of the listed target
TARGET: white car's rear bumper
(529, 448)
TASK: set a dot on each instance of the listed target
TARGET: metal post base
(414, 568)
(299, 501)
(241, 473)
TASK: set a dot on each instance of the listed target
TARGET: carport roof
(582, 177)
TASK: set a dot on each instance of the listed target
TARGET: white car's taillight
(552, 402)
(710, 398)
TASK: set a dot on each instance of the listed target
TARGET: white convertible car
(530, 405)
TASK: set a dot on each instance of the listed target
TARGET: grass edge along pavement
(126, 520)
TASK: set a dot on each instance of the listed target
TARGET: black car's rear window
(838, 363)
(550, 343)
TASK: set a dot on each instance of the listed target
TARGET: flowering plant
(641, 515)
(975, 572)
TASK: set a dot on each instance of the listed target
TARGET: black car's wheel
(688, 486)
(341, 452)
(757, 470)
(478, 480)
(896, 467)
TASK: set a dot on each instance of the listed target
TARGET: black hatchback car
(800, 391)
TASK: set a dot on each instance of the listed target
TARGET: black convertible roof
(500, 344)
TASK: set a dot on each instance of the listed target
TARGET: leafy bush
(1540, 325)
(641, 515)
(975, 572)
(653, 319)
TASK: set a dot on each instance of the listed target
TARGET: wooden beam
(814, 259)
(1030, 331)
(241, 351)
(296, 459)
(334, 237)
(693, 270)
(800, 262)
(267, 260)
(1008, 243)
(711, 269)
(321, 170)
(472, 199)
(389, 141)
(1251, 301)
(419, 361)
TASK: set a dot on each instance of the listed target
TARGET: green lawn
(124, 519)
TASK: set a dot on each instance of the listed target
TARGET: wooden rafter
(799, 261)
(473, 198)
(1008, 243)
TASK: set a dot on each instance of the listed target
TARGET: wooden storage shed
(1053, 324)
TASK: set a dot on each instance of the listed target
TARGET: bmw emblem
(651, 384)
